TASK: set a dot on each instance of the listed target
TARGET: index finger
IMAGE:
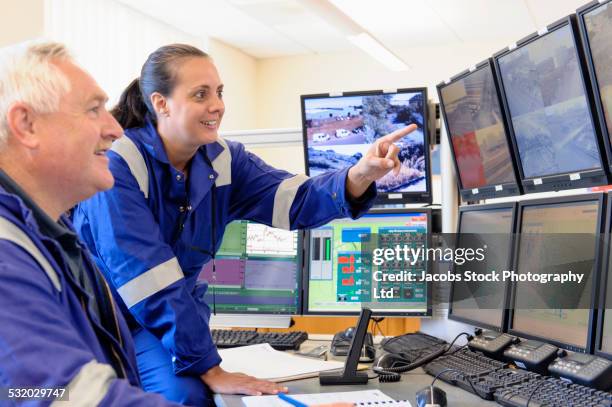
(398, 134)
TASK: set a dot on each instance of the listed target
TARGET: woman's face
(195, 107)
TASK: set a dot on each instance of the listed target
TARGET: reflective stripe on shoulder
(150, 282)
(283, 200)
(12, 233)
(222, 164)
(89, 386)
(127, 149)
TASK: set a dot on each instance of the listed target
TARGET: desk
(405, 389)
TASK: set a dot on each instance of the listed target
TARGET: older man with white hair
(61, 334)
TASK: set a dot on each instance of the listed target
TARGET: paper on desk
(264, 362)
(363, 397)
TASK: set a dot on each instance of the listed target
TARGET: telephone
(588, 370)
(491, 343)
(532, 355)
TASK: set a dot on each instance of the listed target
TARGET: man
(59, 326)
(61, 334)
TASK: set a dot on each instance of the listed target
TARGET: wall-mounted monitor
(481, 303)
(339, 277)
(478, 134)
(339, 129)
(551, 122)
(258, 271)
(595, 20)
(556, 236)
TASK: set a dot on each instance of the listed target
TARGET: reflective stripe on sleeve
(10, 232)
(89, 386)
(150, 282)
(283, 200)
(127, 149)
(222, 164)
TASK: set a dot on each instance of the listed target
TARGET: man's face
(74, 140)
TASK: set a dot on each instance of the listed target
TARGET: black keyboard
(467, 367)
(552, 392)
(412, 346)
(225, 338)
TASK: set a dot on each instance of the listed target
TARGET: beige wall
(21, 20)
(280, 81)
(238, 72)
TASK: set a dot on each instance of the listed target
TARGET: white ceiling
(274, 28)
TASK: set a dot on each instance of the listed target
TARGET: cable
(534, 391)
(466, 377)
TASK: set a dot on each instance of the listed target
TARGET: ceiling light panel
(398, 24)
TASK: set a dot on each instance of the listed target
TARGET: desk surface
(403, 390)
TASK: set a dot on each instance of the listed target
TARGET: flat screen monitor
(477, 129)
(595, 21)
(603, 343)
(483, 303)
(556, 236)
(339, 277)
(338, 130)
(258, 270)
(551, 119)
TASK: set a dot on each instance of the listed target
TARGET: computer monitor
(603, 342)
(258, 271)
(551, 120)
(484, 304)
(595, 20)
(338, 277)
(339, 129)
(556, 236)
(478, 134)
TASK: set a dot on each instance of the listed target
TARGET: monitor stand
(249, 321)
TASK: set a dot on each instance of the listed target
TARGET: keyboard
(467, 366)
(225, 338)
(412, 346)
(552, 392)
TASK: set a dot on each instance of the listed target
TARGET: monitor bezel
(594, 93)
(506, 301)
(382, 197)
(605, 270)
(562, 181)
(299, 289)
(306, 272)
(489, 190)
(601, 199)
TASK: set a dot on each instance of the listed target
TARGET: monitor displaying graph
(257, 271)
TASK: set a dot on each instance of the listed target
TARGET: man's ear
(159, 104)
(20, 119)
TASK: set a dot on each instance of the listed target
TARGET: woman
(177, 184)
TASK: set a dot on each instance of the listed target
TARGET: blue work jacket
(47, 329)
(154, 230)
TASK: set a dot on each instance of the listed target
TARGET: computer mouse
(349, 332)
(390, 360)
(431, 396)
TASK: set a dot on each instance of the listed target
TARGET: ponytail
(158, 74)
(131, 110)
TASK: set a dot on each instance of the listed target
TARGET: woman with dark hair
(177, 184)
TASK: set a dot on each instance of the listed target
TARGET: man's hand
(378, 161)
(224, 382)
